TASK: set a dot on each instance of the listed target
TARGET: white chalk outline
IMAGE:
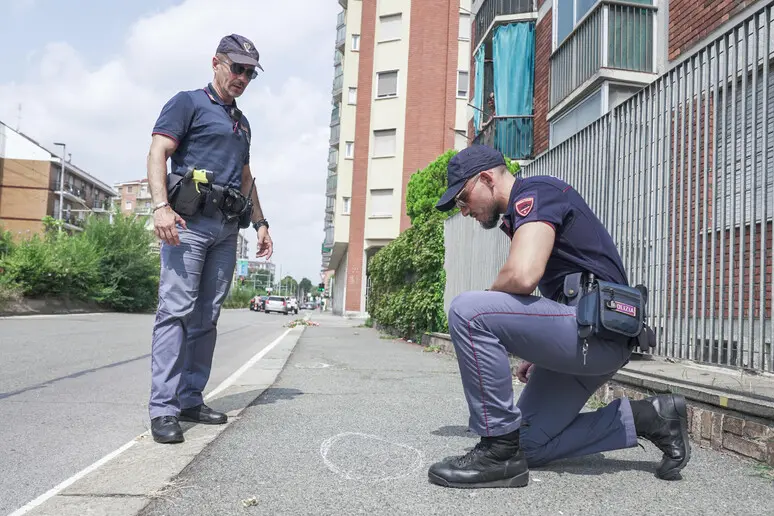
(326, 445)
(115, 453)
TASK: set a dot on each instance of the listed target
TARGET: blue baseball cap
(239, 49)
(464, 165)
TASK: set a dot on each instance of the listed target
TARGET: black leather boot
(166, 429)
(663, 420)
(203, 414)
(494, 462)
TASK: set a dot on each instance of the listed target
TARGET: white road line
(112, 455)
(247, 365)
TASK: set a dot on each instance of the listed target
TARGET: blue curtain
(513, 50)
(478, 88)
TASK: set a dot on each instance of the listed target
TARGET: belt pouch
(246, 215)
(189, 199)
(173, 188)
(213, 200)
(611, 311)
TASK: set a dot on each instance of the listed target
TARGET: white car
(277, 304)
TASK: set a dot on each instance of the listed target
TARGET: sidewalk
(354, 420)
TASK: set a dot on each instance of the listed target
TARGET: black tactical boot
(663, 420)
(203, 414)
(494, 462)
(166, 429)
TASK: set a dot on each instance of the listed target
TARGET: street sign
(242, 267)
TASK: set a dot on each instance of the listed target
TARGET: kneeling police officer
(572, 340)
(198, 210)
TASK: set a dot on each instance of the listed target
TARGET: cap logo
(524, 206)
(247, 46)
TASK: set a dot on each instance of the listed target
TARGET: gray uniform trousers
(195, 280)
(486, 326)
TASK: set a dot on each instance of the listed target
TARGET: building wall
(464, 51)
(543, 38)
(339, 282)
(690, 22)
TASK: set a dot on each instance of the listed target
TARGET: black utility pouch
(188, 200)
(213, 200)
(173, 188)
(611, 311)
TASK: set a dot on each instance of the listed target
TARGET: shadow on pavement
(454, 431)
(597, 464)
(275, 394)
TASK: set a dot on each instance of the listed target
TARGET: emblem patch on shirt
(524, 206)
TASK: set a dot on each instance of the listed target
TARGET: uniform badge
(524, 206)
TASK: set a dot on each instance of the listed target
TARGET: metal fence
(680, 175)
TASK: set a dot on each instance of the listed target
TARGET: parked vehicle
(276, 304)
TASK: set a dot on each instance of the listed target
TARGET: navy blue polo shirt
(582, 243)
(207, 137)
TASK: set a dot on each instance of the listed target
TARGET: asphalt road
(75, 388)
(353, 422)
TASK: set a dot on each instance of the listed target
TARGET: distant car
(293, 305)
(276, 304)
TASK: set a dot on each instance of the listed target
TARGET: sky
(95, 75)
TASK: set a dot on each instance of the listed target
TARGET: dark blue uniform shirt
(207, 136)
(582, 243)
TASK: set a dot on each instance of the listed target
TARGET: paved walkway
(354, 420)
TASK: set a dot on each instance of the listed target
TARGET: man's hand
(524, 371)
(164, 225)
(265, 245)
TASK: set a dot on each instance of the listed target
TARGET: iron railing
(335, 135)
(511, 135)
(680, 174)
(490, 9)
(331, 184)
(338, 83)
(611, 35)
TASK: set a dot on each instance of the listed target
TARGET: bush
(239, 296)
(407, 275)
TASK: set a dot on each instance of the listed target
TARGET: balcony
(491, 9)
(338, 58)
(335, 116)
(612, 36)
(335, 135)
(341, 38)
(340, 19)
(331, 185)
(343, 4)
(100, 205)
(511, 135)
(70, 192)
(338, 84)
(333, 159)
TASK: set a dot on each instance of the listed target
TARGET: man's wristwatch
(258, 223)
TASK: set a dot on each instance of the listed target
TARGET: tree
(305, 285)
(288, 286)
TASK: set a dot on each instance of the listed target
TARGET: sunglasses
(239, 69)
(458, 200)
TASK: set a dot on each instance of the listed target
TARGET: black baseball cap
(464, 165)
(239, 49)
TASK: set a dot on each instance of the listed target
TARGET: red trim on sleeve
(165, 134)
(548, 223)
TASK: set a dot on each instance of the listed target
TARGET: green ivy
(407, 275)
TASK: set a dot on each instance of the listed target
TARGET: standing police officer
(198, 210)
(556, 241)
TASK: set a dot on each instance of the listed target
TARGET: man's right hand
(164, 225)
(524, 371)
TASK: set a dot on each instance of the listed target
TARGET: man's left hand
(265, 245)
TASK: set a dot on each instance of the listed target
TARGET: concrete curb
(145, 471)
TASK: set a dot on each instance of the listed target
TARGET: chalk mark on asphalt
(48, 383)
(326, 446)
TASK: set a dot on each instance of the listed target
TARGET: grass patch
(595, 402)
(434, 348)
(9, 293)
(765, 472)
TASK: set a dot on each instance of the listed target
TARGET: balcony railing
(612, 35)
(341, 37)
(493, 8)
(331, 184)
(333, 159)
(335, 135)
(338, 84)
(340, 19)
(335, 115)
(338, 57)
(511, 135)
(70, 188)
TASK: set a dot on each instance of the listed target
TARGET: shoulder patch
(524, 206)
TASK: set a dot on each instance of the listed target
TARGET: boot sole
(682, 411)
(202, 422)
(520, 480)
(168, 439)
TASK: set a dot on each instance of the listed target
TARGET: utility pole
(61, 178)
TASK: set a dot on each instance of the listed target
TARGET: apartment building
(134, 197)
(399, 99)
(32, 187)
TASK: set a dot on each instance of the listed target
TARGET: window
(390, 27)
(345, 208)
(462, 84)
(387, 84)
(349, 150)
(352, 96)
(128, 205)
(381, 203)
(384, 143)
(464, 26)
(568, 14)
(355, 42)
(577, 118)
